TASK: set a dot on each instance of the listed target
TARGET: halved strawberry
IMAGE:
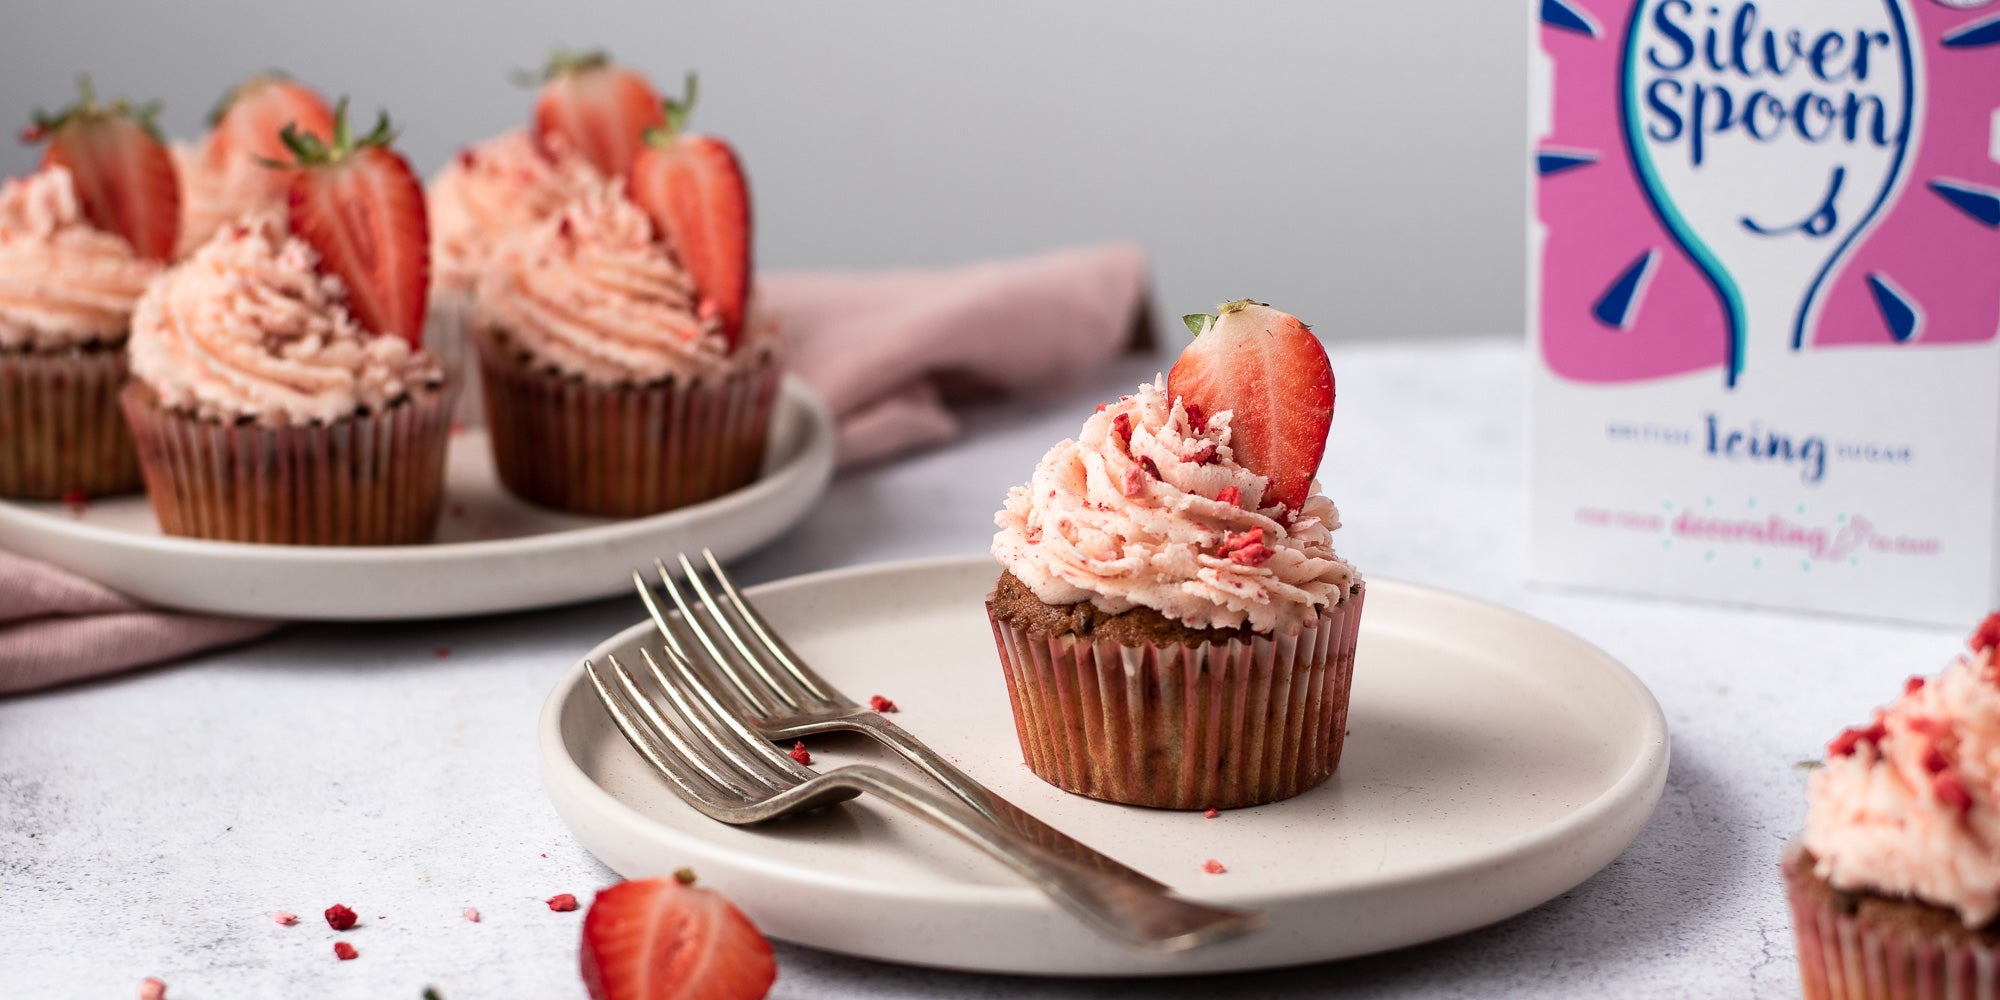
(359, 204)
(247, 122)
(665, 939)
(695, 192)
(602, 111)
(1272, 373)
(124, 175)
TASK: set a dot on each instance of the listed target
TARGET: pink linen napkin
(887, 350)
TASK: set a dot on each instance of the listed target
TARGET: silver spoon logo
(1769, 135)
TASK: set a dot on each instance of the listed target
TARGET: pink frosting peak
(591, 293)
(63, 283)
(247, 328)
(493, 190)
(1909, 805)
(1144, 508)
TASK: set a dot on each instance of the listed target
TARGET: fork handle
(1121, 902)
(989, 804)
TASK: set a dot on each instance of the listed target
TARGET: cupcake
(1895, 884)
(278, 393)
(589, 119)
(79, 240)
(1175, 627)
(624, 373)
(227, 175)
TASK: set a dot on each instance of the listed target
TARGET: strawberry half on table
(667, 939)
(124, 176)
(357, 202)
(1272, 373)
(597, 108)
(694, 189)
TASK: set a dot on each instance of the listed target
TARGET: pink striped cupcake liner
(624, 450)
(1216, 725)
(1845, 955)
(371, 479)
(61, 435)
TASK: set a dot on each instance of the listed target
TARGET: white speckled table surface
(150, 824)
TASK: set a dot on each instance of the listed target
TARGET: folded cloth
(57, 627)
(887, 350)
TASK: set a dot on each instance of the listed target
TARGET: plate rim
(1642, 779)
(816, 447)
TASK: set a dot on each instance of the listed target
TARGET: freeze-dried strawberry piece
(339, 917)
(344, 951)
(880, 704)
(562, 902)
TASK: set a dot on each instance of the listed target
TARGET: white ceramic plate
(1494, 762)
(493, 552)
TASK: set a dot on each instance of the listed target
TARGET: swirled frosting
(246, 328)
(1144, 508)
(214, 195)
(63, 283)
(591, 293)
(490, 192)
(1909, 805)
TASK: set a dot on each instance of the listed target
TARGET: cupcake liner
(1214, 725)
(1845, 955)
(447, 338)
(370, 479)
(624, 450)
(61, 434)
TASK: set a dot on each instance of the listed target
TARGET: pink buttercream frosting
(1909, 806)
(491, 191)
(63, 283)
(1145, 509)
(246, 328)
(591, 293)
(214, 195)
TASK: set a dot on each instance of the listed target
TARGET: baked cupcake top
(1148, 506)
(1909, 805)
(592, 293)
(63, 282)
(250, 329)
(493, 190)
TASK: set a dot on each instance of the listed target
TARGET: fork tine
(692, 741)
(716, 656)
(744, 686)
(774, 645)
(697, 788)
(653, 608)
(731, 739)
(798, 693)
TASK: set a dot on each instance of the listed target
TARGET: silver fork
(722, 768)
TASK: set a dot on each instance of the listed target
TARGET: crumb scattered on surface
(800, 754)
(344, 951)
(285, 919)
(339, 917)
(472, 914)
(881, 704)
(152, 989)
(1211, 814)
(1213, 867)
(442, 652)
(562, 902)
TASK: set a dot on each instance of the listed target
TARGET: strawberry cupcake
(228, 174)
(1895, 884)
(623, 371)
(1175, 626)
(79, 240)
(279, 394)
(588, 122)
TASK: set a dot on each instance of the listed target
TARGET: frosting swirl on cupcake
(492, 191)
(1144, 508)
(63, 282)
(248, 329)
(1909, 805)
(591, 293)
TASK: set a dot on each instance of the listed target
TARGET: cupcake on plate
(226, 175)
(79, 240)
(279, 392)
(589, 120)
(1895, 883)
(1176, 628)
(624, 372)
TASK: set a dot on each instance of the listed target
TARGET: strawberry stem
(1198, 323)
(561, 62)
(676, 115)
(45, 124)
(309, 150)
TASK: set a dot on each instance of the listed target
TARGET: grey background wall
(1359, 164)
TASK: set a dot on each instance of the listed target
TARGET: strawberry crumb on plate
(1213, 867)
(344, 951)
(881, 704)
(472, 914)
(152, 989)
(284, 918)
(562, 902)
(1211, 814)
(339, 917)
(442, 652)
(799, 753)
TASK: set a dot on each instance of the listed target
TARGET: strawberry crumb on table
(152, 989)
(1213, 867)
(344, 951)
(562, 902)
(340, 918)
(285, 919)
(472, 914)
